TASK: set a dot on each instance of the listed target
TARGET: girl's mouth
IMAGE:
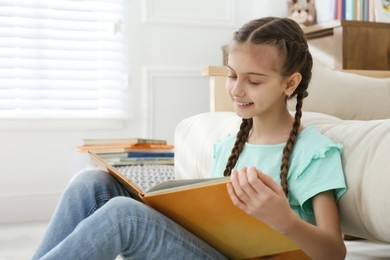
(244, 104)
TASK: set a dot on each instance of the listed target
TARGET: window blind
(62, 59)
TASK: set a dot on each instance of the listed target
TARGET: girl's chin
(243, 114)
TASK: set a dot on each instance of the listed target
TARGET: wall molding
(226, 18)
(150, 76)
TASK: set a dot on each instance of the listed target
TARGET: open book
(203, 207)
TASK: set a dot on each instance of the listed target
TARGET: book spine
(333, 10)
(359, 10)
(349, 9)
(112, 155)
(117, 148)
(365, 10)
(343, 9)
(339, 10)
(139, 161)
(148, 155)
(129, 141)
(152, 146)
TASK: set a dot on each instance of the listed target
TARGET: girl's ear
(292, 83)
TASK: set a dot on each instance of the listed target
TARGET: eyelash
(250, 82)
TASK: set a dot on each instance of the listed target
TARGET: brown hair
(289, 39)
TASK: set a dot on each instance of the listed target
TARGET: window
(62, 59)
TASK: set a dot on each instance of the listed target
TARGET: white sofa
(352, 110)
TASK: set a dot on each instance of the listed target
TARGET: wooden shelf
(215, 71)
(219, 99)
(354, 45)
(321, 30)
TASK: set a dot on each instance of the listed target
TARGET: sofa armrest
(194, 140)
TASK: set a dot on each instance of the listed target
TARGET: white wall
(170, 41)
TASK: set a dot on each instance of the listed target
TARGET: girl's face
(254, 82)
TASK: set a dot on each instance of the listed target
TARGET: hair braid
(290, 142)
(241, 138)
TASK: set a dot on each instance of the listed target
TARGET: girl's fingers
(270, 183)
(246, 184)
(232, 188)
(236, 201)
(236, 181)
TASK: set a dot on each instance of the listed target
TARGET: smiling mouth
(244, 104)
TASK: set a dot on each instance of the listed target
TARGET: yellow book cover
(203, 207)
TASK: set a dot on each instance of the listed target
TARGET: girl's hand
(260, 196)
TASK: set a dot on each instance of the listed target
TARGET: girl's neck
(273, 129)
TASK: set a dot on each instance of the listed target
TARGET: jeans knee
(119, 203)
(88, 183)
(91, 178)
(126, 207)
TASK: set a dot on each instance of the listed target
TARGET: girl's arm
(258, 195)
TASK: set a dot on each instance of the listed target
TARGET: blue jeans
(97, 219)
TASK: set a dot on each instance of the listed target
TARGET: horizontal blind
(62, 59)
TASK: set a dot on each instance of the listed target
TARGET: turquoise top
(315, 166)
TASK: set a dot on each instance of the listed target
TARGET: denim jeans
(97, 219)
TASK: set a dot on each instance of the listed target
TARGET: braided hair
(289, 39)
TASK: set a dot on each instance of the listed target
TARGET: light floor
(18, 242)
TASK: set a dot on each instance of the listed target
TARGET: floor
(18, 242)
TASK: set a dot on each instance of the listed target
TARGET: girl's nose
(237, 89)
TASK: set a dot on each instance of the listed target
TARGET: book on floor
(122, 145)
(120, 148)
(117, 161)
(126, 141)
(203, 207)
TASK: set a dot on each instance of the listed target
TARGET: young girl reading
(282, 173)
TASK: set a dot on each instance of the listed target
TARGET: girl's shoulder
(310, 146)
(311, 139)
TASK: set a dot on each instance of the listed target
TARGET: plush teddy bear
(302, 11)
(386, 5)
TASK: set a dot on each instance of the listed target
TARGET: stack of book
(357, 10)
(130, 151)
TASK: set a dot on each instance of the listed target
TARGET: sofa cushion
(365, 207)
(347, 95)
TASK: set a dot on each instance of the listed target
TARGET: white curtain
(63, 59)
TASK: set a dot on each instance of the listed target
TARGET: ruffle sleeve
(316, 167)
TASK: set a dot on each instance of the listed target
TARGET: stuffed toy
(386, 5)
(302, 11)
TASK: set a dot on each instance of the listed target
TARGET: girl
(269, 62)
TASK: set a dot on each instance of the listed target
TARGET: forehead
(248, 56)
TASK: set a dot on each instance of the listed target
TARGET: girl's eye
(232, 76)
(254, 83)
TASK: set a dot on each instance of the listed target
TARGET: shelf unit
(353, 45)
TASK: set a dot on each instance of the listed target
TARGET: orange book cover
(203, 207)
(118, 148)
(207, 211)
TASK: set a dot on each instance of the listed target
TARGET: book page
(174, 185)
(130, 186)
